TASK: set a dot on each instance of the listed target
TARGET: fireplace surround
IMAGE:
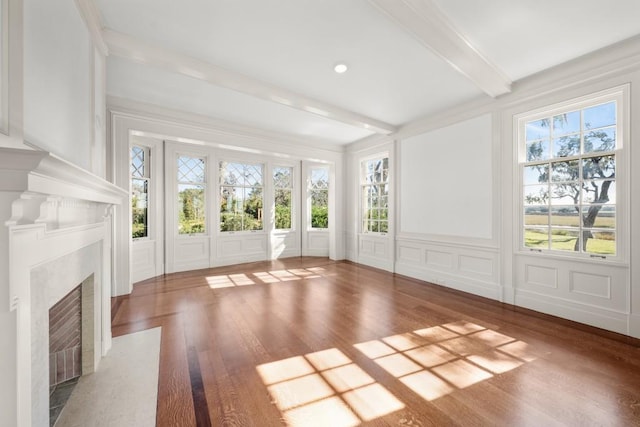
(56, 232)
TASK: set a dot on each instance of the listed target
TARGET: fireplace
(56, 230)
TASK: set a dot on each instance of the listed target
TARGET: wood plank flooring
(312, 342)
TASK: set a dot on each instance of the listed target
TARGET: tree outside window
(191, 195)
(241, 196)
(569, 181)
(319, 196)
(375, 195)
(139, 169)
(283, 190)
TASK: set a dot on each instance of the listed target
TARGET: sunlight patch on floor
(325, 388)
(439, 360)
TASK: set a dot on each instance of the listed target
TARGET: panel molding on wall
(375, 251)
(596, 294)
(472, 270)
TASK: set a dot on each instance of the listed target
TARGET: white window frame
(309, 189)
(292, 189)
(620, 95)
(218, 199)
(146, 176)
(364, 184)
(204, 184)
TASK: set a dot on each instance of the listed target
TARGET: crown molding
(134, 49)
(428, 24)
(91, 17)
(215, 127)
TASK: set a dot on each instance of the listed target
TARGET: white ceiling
(269, 64)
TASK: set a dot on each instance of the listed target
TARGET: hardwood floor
(309, 341)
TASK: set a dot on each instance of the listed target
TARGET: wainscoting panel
(375, 250)
(317, 243)
(466, 268)
(595, 294)
(239, 248)
(191, 253)
(285, 244)
(143, 256)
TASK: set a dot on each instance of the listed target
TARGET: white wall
(446, 181)
(58, 70)
(465, 160)
(56, 87)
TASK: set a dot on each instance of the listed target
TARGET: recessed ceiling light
(340, 68)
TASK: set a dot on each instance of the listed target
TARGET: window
(319, 197)
(139, 191)
(191, 199)
(241, 196)
(375, 195)
(569, 162)
(283, 191)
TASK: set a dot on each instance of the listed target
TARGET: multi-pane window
(319, 197)
(283, 192)
(139, 191)
(241, 196)
(375, 195)
(191, 194)
(569, 179)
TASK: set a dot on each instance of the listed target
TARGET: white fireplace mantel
(56, 229)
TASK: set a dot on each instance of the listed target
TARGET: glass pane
(564, 240)
(139, 208)
(283, 209)
(231, 173)
(230, 208)
(566, 123)
(137, 162)
(319, 209)
(600, 140)
(600, 242)
(600, 116)
(565, 216)
(536, 174)
(191, 209)
(599, 191)
(537, 238)
(282, 177)
(537, 150)
(536, 195)
(384, 226)
(599, 167)
(191, 169)
(538, 129)
(536, 215)
(565, 171)
(566, 146)
(565, 194)
(253, 209)
(599, 216)
(320, 178)
(253, 175)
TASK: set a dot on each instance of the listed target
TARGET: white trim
(429, 25)
(218, 129)
(134, 49)
(91, 17)
(619, 94)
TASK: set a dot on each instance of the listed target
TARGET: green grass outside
(568, 221)
(567, 241)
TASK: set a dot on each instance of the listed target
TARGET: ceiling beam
(91, 16)
(134, 49)
(428, 24)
